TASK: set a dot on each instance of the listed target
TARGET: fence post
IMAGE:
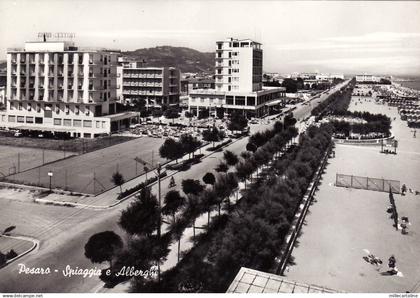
(367, 182)
(65, 180)
(351, 180)
(94, 182)
(18, 167)
(43, 156)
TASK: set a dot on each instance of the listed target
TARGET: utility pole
(158, 169)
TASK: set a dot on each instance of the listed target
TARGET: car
(40, 135)
(18, 134)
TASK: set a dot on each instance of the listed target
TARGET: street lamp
(158, 170)
(50, 174)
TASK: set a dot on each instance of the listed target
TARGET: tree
(118, 180)
(189, 143)
(230, 158)
(212, 135)
(102, 247)
(171, 149)
(173, 202)
(237, 122)
(192, 188)
(289, 120)
(243, 170)
(142, 216)
(290, 84)
(3, 259)
(209, 179)
(222, 168)
(171, 113)
(251, 147)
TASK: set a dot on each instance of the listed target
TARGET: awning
(44, 128)
(274, 102)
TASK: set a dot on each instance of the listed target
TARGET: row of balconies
(143, 76)
(141, 92)
(142, 84)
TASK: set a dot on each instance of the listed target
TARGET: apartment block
(238, 82)
(57, 87)
(157, 86)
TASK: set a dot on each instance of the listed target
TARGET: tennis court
(91, 172)
(17, 159)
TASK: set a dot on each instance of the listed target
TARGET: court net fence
(368, 183)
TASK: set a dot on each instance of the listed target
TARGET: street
(63, 241)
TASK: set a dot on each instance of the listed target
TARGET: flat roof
(253, 281)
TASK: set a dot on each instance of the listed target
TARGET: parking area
(91, 172)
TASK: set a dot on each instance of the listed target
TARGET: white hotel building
(238, 81)
(56, 87)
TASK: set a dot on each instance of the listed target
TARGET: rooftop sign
(56, 35)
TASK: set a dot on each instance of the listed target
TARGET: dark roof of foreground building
(253, 281)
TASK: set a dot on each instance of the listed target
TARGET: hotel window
(103, 124)
(57, 121)
(12, 118)
(229, 100)
(77, 123)
(98, 124)
(3, 118)
(250, 101)
(38, 120)
(67, 122)
(87, 123)
(29, 119)
(20, 119)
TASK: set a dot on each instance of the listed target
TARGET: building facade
(239, 65)
(54, 86)
(158, 86)
(238, 82)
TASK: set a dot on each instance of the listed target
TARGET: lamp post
(50, 174)
(158, 170)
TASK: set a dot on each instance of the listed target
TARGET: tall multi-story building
(54, 86)
(158, 86)
(239, 65)
(238, 82)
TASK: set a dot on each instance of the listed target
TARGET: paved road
(64, 244)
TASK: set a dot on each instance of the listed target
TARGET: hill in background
(186, 59)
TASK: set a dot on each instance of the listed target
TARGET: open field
(91, 172)
(17, 159)
(73, 145)
(343, 223)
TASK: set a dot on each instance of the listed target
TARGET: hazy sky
(325, 36)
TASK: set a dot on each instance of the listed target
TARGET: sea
(411, 84)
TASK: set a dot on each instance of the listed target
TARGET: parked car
(18, 134)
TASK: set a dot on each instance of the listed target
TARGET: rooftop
(253, 281)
